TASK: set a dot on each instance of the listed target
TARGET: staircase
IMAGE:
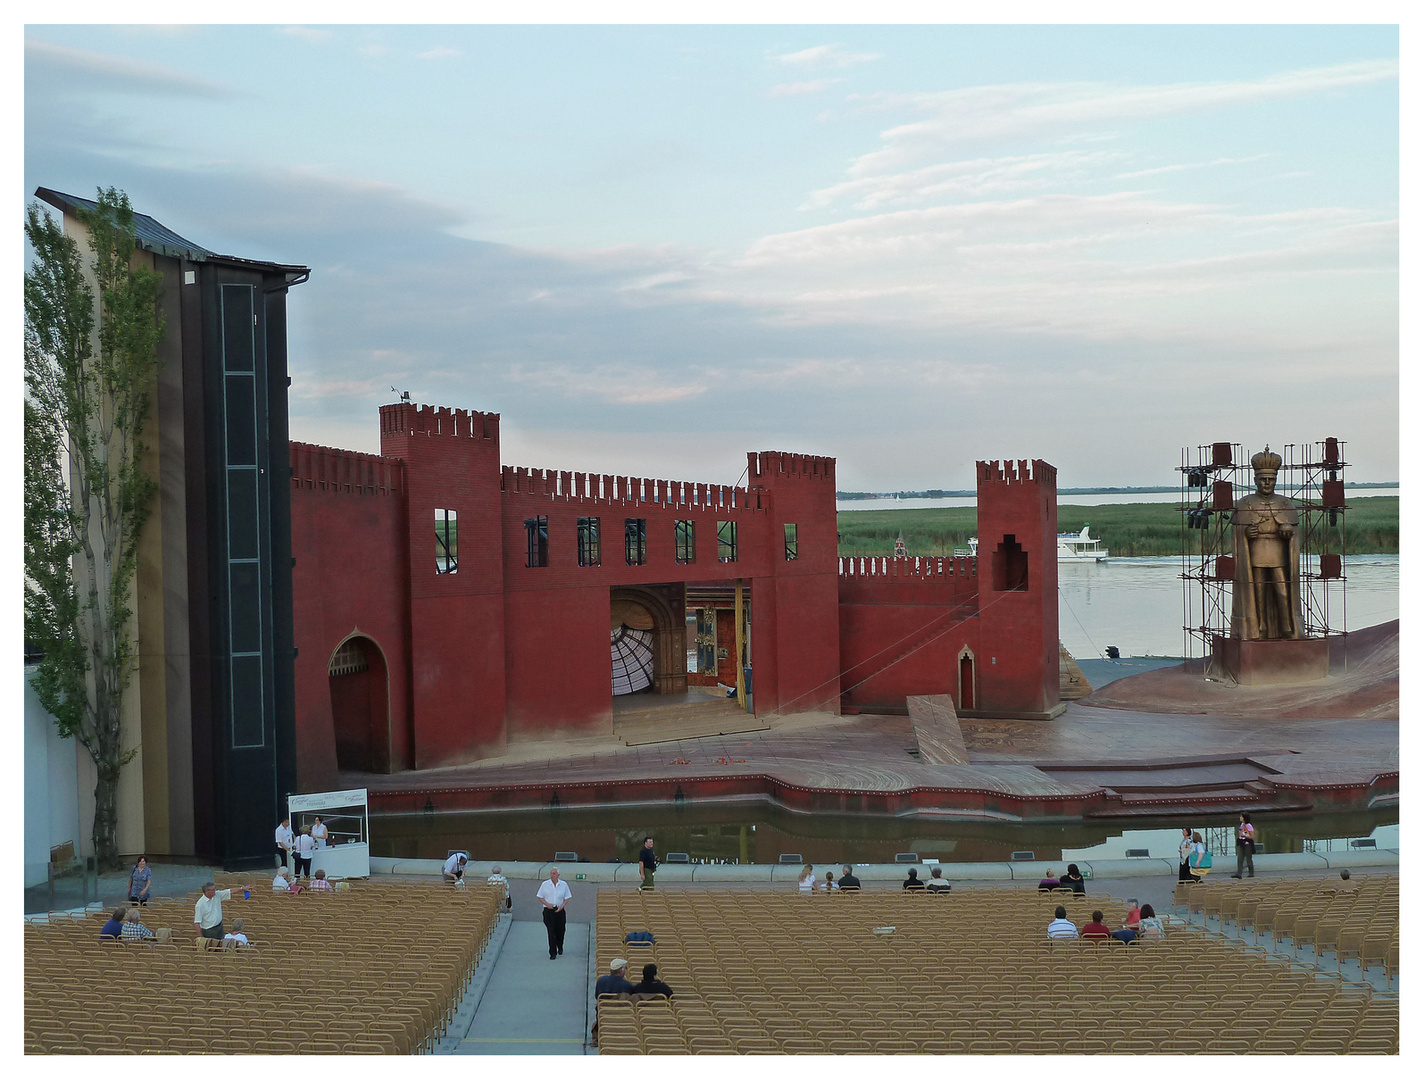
(656, 722)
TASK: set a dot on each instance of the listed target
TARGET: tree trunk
(106, 817)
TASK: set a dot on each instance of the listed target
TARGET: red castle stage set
(446, 606)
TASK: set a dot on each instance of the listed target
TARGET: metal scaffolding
(1214, 477)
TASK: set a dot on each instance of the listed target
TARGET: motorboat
(1080, 547)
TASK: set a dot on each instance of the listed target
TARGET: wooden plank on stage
(936, 728)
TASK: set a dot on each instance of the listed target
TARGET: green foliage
(1371, 526)
(86, 496)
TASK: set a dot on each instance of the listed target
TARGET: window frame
(726, 541)
(590, 541)
(684, 539)
(635, 541)
(536, 541)
(791, 545)
(443, 546)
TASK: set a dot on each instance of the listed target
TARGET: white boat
(1080, 547)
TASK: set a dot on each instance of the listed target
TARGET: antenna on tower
(404, 395)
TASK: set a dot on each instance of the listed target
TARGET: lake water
(1110, 498)
(1136, 604)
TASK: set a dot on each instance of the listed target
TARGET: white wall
(51, 789)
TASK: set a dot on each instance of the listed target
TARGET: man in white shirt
(285, 840)
(501, 882)
(207, 912)
(555, 896)
(1060, 928)
(454, 868)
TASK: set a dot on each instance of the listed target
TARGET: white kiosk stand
(348, 850)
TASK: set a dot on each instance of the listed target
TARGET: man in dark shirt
(648, 861)
(848, 880)
(616, 981)
(651, 984)
(913, 881)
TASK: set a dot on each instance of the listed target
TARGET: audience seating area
(375, 969)
(968, 971)
(1356, 919)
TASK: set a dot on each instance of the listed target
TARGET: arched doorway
(360, 705)
(967, 696)
(647, 631)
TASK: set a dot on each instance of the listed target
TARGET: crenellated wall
(501, 649)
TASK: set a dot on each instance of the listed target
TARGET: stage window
(536, 535)
(685, 534)
(447, 557)
(1010, 566)
(791, 544)
(635, 541)
(590, 545)
(726, 541)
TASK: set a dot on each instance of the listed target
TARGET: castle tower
(796, 640)
(1017, 669)
(456, 574)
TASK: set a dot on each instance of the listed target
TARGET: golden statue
(1265, 594)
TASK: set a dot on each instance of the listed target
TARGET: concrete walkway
(533, 1005)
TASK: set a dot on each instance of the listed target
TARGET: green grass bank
(1126, 529)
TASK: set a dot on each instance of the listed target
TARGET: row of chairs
(375, 969)
(754, 974)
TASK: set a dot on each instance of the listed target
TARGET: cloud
(1189, 165)
(825, 56)
(440, 52)
(973, 178)
(308, 33)
(60, 69)
(1015, 110)
(795, 89)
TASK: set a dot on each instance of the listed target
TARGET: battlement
(916, 568)
(1020, 472)
(410, 419)
(325, 468)
(769, 463)
(595, 488)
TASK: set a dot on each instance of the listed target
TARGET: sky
(655, 248)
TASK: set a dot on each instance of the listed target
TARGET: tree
(86, 496)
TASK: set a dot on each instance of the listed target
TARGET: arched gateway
(360, 705)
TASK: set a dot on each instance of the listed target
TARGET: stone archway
(360, 705)
(968, 697)
(648, 621)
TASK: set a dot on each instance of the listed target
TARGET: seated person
(283, 881)
(848, 880)
(1060, 928)
(1150, 928)
(115, 926)
(1134, 913)
(1073, 880)
(319, 883)
(133, 930)
(616, 981)
(831, 885)
(936, 882)
(454, 869)
(499, 881)
(1050, 881)
(1344, 885)
(1096, 929)
(913, 881)
(651, 984)
(236, 936)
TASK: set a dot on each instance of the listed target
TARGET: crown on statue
(1266, 462)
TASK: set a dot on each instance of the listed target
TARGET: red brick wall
(348, 539)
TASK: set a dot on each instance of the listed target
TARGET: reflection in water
(1136, 604)
(753, 831)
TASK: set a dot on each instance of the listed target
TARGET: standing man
(207, 912)
(285, 840)
(499, 881)
(648, 862)
(555, 896)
